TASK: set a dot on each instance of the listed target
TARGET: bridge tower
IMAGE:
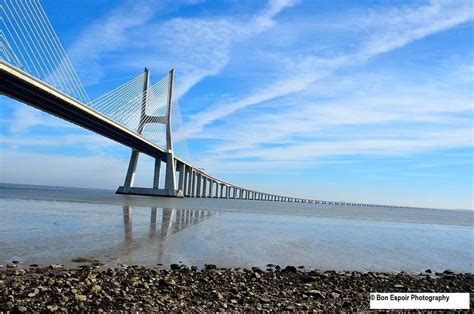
(170, 174)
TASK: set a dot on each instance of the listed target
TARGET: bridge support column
(170, 180)
(193, 183)
(156, 174)
(182, 176)
(132, 168)
(187, 181)
(211, 188)
(198, 186)
(222, 191)
(204, 187)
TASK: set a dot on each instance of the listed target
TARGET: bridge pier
(204, 187)
(156, 175)
(182, 175)
(193, 184)
(211, 188)
(198, 185)
(170, 175)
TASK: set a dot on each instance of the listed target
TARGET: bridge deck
(21, 86)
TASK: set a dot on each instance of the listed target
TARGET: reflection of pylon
(170, 175)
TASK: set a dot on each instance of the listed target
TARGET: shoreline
(183, 288)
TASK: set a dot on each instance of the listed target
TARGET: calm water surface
(46, 225)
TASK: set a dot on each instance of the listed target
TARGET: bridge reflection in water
(164, 222)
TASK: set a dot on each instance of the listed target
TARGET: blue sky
(348, 100)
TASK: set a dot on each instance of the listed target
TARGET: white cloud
(391, 30)
(397, 121)
(197, 47)
(107, 35)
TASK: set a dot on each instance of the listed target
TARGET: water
(46, 225)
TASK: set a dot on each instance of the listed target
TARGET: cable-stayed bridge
(35, 69)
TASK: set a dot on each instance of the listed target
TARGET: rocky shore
(180, 288)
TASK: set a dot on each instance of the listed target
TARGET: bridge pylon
(170, 174)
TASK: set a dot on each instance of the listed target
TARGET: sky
(364, 101)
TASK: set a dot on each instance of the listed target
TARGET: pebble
(81, 297)
(174, 266)
(316, 293)
(335, 295)
(291, 269)
(55, 266)
(211, 267)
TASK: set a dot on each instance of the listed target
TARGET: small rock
(257, 270)
(81, 297)
(290, 269)
(211, 266)
(170, 282)
(52, 308)
(399, 286)
(448, 271)
(22, 309)
(164, 298)
(257, 275)
(265, 300)
(33, 294)
(316, 293)
(11, 265)
(96, 288)
(219, 295)
(428, 271)
(174, 266)
(55, 266)
(335, 295)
